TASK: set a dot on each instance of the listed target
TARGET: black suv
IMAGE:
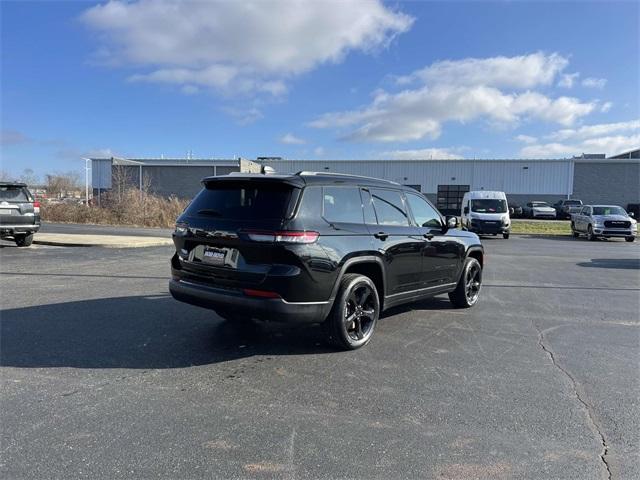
(317, 247)
(19, 213)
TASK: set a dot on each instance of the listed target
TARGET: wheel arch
(371, 266)
(477, 253)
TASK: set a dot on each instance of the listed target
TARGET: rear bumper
(9, 230)
(271, 309)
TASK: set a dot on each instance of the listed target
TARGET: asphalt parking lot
(105, 376)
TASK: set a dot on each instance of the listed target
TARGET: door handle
(381, 235)
(428, 236)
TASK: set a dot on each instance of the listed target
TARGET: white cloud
(594, 82)
(526, 139)
(422, 154)
(244, 116)
(601, 129)
(12, 137)
(525, 71)
(568, 79)
(609, 138)
(461, 91)
(319, 151)
(606, 106)
(291, 139)
(248, 46)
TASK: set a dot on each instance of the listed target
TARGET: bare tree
(5, 176)
(121, 180)
(61, 184)
(29, 177)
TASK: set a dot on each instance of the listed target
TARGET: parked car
(515, 210)
(604, 221)
(539, 210)
(319, 247)
(19, 213)
(485, 213)
(567, 207)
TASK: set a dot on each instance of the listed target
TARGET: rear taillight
(36, 207)
(283, 237)
(249, 292)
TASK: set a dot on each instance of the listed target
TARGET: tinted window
(13, 194)
(389, 207)
(342, 204)
(489, 205)
(572, 202)
(609, 211)
(241, 200)
(423, 213)
(369, 212)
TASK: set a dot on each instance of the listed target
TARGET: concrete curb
(105, 241)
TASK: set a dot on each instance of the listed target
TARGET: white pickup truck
(604, 221)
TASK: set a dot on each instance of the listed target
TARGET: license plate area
(215, 256)
(6, 211)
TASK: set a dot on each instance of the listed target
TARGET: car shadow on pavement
(616, 263)
(145, 332)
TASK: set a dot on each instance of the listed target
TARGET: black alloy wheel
(355, 312)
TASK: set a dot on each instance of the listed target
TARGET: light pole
(86, 180)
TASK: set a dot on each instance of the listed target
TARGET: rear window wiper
(210, 211)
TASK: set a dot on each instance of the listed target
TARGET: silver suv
(19, 213)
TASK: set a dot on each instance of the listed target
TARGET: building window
(449, 200)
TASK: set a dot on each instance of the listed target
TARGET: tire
(590, 236)
(505, 236)
(629, 239)
(355, 312)
(467, 291)
(24, 240)
(573, 231)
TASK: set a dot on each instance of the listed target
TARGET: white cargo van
(486, 213)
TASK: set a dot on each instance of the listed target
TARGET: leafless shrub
(129, 207)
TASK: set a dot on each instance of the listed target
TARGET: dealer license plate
(5, 211)
(213, 256)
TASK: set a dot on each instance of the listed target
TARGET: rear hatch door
(16, 205)
(227, 234)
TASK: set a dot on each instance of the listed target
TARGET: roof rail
(334, 174)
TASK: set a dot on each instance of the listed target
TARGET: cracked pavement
(105, 376)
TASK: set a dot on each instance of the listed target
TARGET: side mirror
(466, 210)
(452, 221)
(631, 214)
(511, 210)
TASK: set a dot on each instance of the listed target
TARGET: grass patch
(541, 227)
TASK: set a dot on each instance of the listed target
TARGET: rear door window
(242, 201)
(389, 207)
(342, 205)
(13, 194)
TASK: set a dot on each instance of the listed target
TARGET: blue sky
(317, 80)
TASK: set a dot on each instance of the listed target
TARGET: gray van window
(342, 204)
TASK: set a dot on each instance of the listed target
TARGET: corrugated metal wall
(101, 173)
(510, 176)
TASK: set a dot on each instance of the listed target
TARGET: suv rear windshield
(9, 193)
(572, 202)
(489, 205)
(241, 200)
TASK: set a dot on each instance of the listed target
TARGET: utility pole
(86, 180)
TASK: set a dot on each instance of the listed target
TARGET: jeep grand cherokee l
(19, 213)
(316, 247)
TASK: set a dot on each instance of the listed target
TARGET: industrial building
(591, 178)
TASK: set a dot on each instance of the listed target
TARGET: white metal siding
(539, 177)
(101, 173)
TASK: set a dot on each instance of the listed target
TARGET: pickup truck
(19, 213)
(604, 221)
(566, 208)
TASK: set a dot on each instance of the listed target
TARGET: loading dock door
(450, 198)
